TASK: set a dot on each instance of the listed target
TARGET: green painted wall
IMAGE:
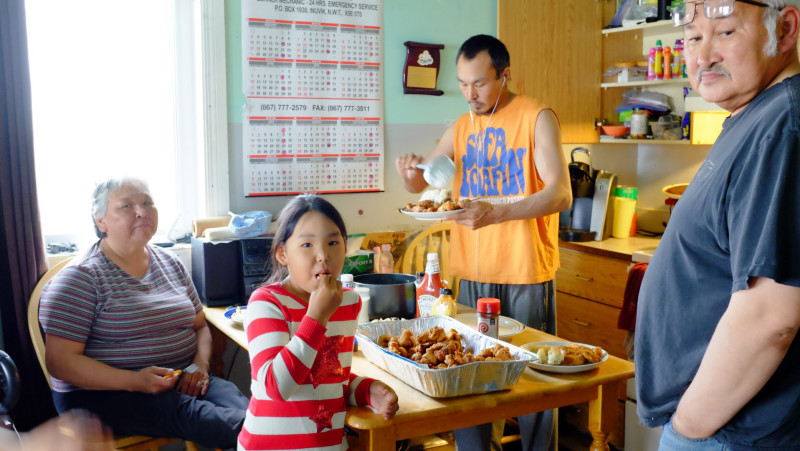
(447, 22)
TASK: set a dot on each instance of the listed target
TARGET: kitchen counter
(617, 248)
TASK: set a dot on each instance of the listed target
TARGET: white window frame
(208, 81)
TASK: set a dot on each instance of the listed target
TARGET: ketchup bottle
(428, 289)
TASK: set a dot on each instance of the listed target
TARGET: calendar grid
(313, 79)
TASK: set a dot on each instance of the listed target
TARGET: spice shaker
(489, 316)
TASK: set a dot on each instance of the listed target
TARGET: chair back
(435, 238)
(132, 443)
(33, 315)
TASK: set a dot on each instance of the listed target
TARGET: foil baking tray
(469, 379)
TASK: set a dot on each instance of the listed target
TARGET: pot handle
(581, 149)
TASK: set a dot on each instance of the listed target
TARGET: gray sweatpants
(535, 306)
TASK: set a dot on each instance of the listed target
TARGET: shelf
(659, 142)
(666, 24)
(671, 81)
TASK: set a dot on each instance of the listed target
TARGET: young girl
(300, 332)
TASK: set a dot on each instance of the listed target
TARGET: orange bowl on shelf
(614, 130)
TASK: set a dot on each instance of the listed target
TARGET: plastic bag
(250, 224)
(621, 12)
(639, 13)
(653, 101)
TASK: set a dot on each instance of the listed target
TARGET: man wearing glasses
(719, 309)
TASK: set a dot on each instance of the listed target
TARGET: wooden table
(421, 415)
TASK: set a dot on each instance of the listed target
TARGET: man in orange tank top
(509, 163)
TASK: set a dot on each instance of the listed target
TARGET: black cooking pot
(390, 295)
(581, 175)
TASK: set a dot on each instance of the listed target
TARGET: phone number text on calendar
(321, 108)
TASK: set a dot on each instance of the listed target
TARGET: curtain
(22, 257)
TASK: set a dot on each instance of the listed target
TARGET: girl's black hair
(287, 221)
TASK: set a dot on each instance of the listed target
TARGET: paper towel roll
(219, 233)
(200, 225)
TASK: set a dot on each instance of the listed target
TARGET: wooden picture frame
(421, 69)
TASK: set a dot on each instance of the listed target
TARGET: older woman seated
(122, 319)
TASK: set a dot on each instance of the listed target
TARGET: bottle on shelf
(347, 280)
(677, 59)
(667, 63)
(659, 61)
(651, 64)
(638, 124)
(429, 286)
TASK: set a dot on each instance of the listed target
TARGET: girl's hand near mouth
(325, 299)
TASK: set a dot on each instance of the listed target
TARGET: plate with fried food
(428, 210)
(565, 356)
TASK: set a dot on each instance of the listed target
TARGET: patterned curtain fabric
(22, 257)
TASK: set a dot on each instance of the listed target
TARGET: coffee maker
(589, 217)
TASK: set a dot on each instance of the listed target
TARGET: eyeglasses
(683, 13)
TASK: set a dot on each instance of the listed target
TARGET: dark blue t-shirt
(739, 218)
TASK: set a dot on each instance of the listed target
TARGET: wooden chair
(132, 443)
(435, 238)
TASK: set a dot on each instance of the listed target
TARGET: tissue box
(359, 262)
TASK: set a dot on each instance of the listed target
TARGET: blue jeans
(672, 441)
(213, 420)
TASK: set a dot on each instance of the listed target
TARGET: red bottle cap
(489, 305)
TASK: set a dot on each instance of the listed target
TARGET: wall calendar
(312, 76)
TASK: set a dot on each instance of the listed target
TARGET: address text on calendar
(327, 7)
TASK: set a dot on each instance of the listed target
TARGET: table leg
(602, 415)
(219, 342)
(380, 439)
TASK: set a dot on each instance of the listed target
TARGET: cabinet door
(555, 52)
(589, 322)
(592, 277)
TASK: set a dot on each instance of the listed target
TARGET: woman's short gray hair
(102, 192)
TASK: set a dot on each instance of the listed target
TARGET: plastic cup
(624, 209)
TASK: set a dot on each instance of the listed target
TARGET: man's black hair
(497, 51)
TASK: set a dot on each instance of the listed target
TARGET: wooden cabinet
(559, 51)
(555, 57)
(589, 291)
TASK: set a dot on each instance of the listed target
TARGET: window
(118, 89)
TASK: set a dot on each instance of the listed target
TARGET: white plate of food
(507, 328)
(563, 367)
(236, 314)
(430, 216)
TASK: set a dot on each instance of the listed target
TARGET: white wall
(650, 167)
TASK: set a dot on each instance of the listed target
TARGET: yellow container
(705, 126)
(623, 216)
